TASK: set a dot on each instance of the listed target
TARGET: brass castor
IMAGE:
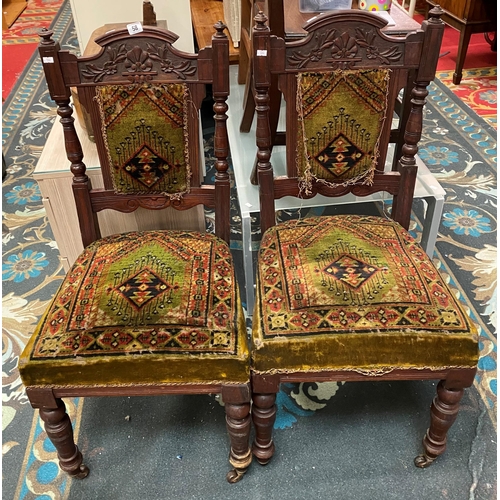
(423, 461)
(81, 473)
(235, 475)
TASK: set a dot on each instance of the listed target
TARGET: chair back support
(144, 98)
(341, 83)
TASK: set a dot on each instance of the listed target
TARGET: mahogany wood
(105, 65)
(419, 54)
(238, 423)
(60, 432)
(148, 13)
(454, 377)
(107, 199)
(416, 53)
(204, 13)
(286, 186)
(196, 70)
(444, 410)
(46, 397)
(263, 416)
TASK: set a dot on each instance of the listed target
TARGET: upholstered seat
(156, 307)
(354, 293)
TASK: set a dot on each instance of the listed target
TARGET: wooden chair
(349, 297)
(275, 13)
(154, 312)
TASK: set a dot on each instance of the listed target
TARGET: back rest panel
(341, 116)
(145, 135)
(341, 84)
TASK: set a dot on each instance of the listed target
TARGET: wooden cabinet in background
(468, 17)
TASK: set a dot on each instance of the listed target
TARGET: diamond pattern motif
(142, 288)
(339, 156)
(147, 167)
(351, 271)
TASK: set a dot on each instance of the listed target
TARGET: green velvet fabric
(341, 116)
(354, 293)
(143, 308)
(144, 132)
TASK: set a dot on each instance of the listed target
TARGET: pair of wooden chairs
(338, 298)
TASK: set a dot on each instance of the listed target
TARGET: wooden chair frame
(271, 59)
(64, 70)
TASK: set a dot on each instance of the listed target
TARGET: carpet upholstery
(342, 113)
(354, 292)
(29, 468)
(137, 120)
(143, 304)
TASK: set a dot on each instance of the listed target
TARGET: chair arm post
(401, 211)
(60, 93)
(220, 88)
(87, 218)
(262, 83)
(407, 165)
(434, 30)
(49, 54)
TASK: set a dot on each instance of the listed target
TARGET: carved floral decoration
(115, 54)
(181, 69)
(345, 49)
(138, 63)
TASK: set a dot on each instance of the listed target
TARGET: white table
(243, 150)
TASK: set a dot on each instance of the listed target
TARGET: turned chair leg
(238, 427)
(263, 415)
(444, 410)
(60, 432)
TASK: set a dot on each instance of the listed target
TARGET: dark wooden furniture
(286, 20)
(468, 17)
(143, 313)
(318, 314)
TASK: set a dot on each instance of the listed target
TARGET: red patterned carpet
(20, 40)
(478, 88)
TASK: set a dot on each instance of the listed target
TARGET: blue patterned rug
(458, 147)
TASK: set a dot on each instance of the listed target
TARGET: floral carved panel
(138, 64)
(345, 49)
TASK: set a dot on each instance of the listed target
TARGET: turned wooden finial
(260, 21)
(148, 14)
(435, 14)
(219, 27)
(46, 36)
